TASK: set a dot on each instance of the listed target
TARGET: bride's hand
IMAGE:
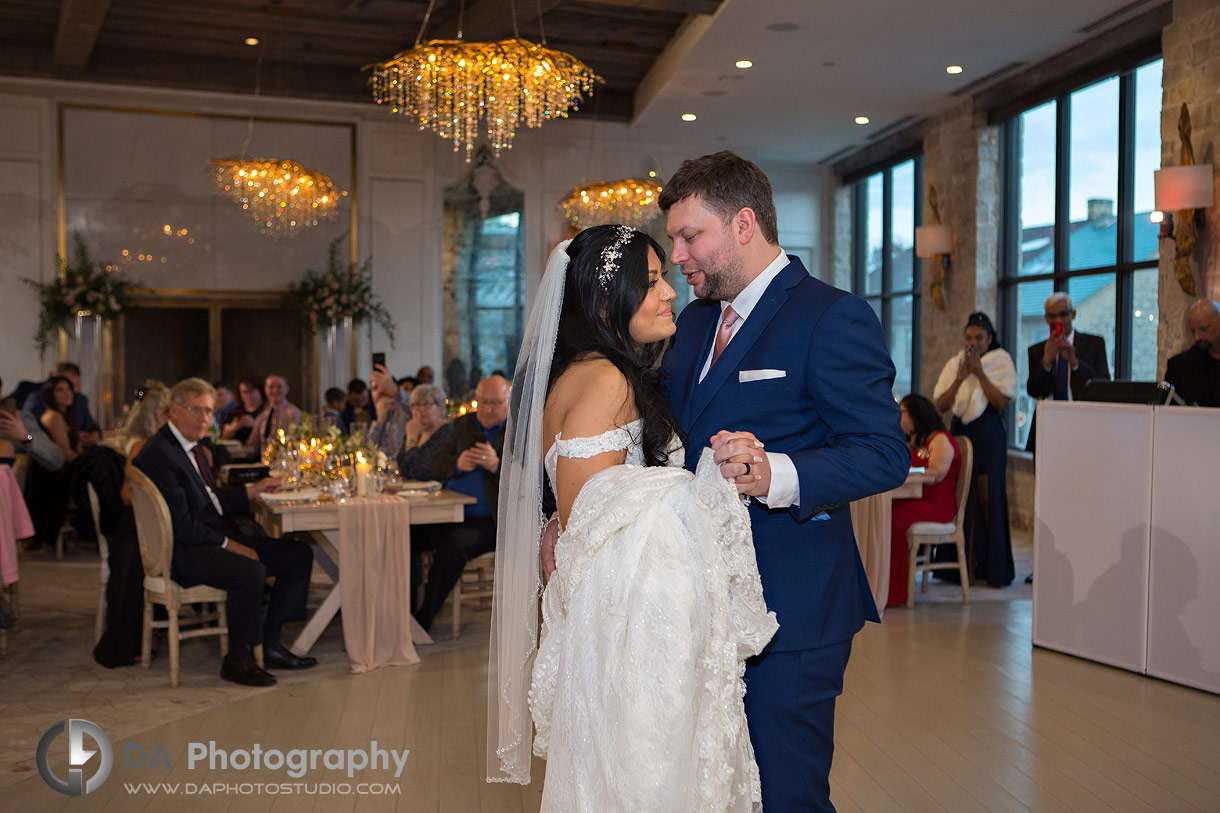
(741, 459)
(546, 548)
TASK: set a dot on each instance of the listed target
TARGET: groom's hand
(741, 459)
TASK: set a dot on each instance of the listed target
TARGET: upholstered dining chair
(103, 551)
(476, 584)
(923, 537)
(156, 535)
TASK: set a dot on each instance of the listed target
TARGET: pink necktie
(725, 333)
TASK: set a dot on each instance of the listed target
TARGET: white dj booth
(1127, 537)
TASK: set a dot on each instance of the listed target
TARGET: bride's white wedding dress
(654, 606)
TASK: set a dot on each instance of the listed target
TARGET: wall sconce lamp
(934, 241)
(1182, 189)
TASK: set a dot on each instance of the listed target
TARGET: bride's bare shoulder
(590, 394)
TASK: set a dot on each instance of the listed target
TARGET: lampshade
(1188, 187)
(932, 241)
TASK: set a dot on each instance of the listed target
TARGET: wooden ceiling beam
(79, 24)
(490, 20)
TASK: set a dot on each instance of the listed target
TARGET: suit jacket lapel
(762, 314)
(691, 383)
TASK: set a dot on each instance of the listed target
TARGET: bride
(634, 681)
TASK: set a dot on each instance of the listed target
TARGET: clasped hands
(1058, 346)
(263, 486)
(481, 454)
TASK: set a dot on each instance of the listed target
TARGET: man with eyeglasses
(469, 463)
(210, 548)
(1061, 365)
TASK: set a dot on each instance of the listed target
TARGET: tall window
(1078, 195)
(886, 209)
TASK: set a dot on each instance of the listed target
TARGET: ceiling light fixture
(251, 40)
(861, 119)
(282, 196)
(631, 201)
(744, 63)
(953, 69)
(689, 117)
(449, 86)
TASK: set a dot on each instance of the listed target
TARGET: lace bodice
(612, 440)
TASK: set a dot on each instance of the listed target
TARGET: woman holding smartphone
(977, 384)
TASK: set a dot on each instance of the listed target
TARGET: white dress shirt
(785, 487)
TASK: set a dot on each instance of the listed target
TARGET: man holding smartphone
(469, 463)
(1060, 366)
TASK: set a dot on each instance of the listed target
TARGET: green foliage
(340, 292)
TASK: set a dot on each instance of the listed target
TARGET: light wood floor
(945, 708)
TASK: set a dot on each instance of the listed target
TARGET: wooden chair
(479, 588)
(156, 534)
(103, 549)
(923, 537)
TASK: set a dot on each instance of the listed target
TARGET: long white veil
(518, 582)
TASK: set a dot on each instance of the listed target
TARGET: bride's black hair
(595, 321)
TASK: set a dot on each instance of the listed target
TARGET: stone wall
(1191, 48)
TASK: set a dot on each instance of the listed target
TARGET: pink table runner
(375, 582)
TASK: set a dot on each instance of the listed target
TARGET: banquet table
(870, 519)
(372, 537)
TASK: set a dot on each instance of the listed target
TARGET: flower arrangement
(340, 293)
(83, 286)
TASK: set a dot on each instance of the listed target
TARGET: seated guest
(85, 424)
(225, 404)
(22, 433)
(103, 466)
(333, 412)
(46, 490)
(426, 432)
(388, 432)
(424, 375)
(1195, 373)
(359, 407)
(469, 463)
(278, 414)
(406, 384)
(934, 450)
(210, 549)
(241, 419)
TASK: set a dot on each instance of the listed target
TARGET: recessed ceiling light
(744, 63)
(251, 40)
(652, 173)
(689, 117)
(861, 119)
(953, 69)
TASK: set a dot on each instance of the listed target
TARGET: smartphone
(8, 405)
(1057, 329)
(480, 436)
(378, 358)
(970, 350)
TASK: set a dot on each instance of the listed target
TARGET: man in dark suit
(1195, 373)
(209, 547)
(799, 374)
(469, 463)
(1061, 365)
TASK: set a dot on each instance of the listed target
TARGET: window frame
(1125, 266)
(859, 255)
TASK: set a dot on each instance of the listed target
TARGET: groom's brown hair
(727, 183)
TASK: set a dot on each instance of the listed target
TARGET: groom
(799, 374)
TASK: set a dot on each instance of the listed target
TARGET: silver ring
(747, 465)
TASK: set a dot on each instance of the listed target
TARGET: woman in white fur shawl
(977, 384)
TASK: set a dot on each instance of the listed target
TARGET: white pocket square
(760, 375)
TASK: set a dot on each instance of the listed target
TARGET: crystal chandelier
(630, 201)
(448, 86)
(282, 196)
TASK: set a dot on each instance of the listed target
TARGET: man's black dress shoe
(276, 657)
(246, 672)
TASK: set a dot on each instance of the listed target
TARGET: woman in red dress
(933, 449)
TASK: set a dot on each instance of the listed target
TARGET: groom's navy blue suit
(833, 414)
